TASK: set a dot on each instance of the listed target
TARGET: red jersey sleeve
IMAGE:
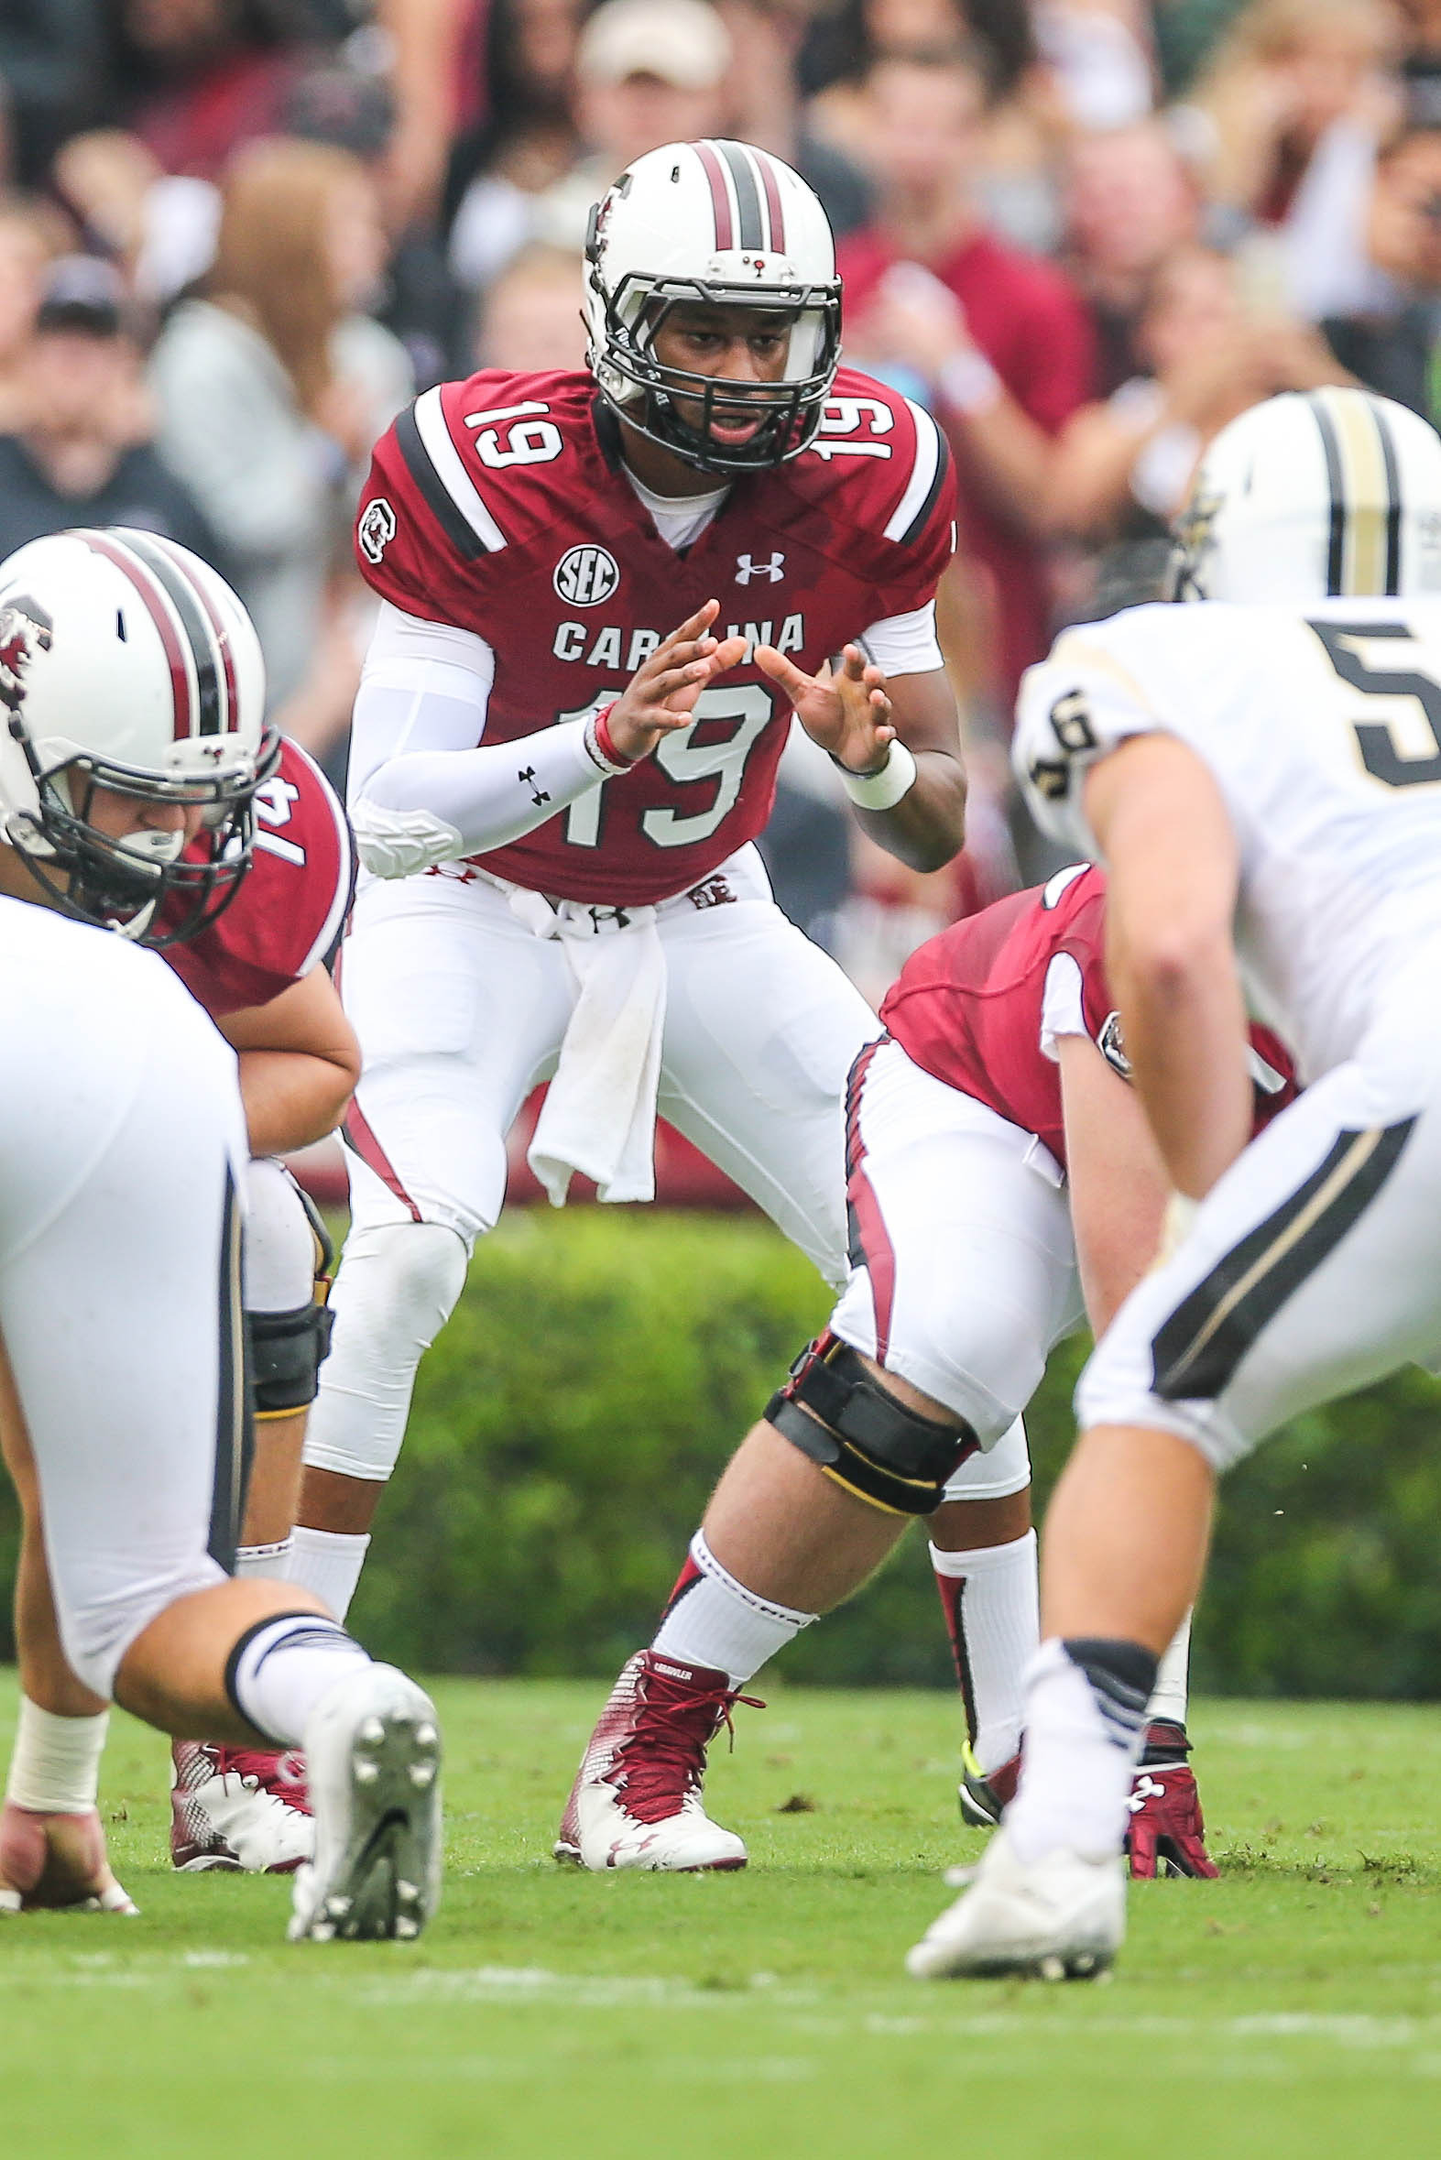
(890, 488)
(292, 904)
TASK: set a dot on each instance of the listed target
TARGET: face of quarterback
(740, 345)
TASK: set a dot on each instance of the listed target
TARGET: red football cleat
(239, 1809)
(1168, 1831)
(636, 1801)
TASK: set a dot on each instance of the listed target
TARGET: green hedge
(603, 1364)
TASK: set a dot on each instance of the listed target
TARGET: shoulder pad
(880, 461)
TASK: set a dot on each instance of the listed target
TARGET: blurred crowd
(236, 236)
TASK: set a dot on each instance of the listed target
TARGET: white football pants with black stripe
(1313, 1266)
(121, 1153)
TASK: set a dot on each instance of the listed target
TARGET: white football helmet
(1312, 494)
(731, 226)
(126, 663)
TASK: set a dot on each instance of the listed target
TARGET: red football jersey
(292, 903)
(498, 505)
(967, 1006)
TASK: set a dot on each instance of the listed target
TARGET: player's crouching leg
(138, 1484)
(248, 1808)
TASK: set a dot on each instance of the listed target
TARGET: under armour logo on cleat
(747, 568)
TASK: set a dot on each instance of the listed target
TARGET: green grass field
(1293, 2008)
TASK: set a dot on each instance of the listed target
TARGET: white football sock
(998, 1626)
(329, 1563)
(1078, 1762)
(272, 1560)
(717, 1622)
(278, 1672)
(1168, 1697)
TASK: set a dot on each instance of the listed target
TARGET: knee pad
(397, 1287)
(287, 1350)
(856, 1431)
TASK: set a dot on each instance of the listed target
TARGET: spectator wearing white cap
(647, 72)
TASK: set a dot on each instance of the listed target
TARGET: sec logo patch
(585, 576)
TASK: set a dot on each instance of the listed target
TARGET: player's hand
(661, 695)
(848, 713)
(56, 1862)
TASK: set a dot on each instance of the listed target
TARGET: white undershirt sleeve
(424, 786)
(1063, 1008)
(905, 644)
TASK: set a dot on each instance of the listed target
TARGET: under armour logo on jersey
(747, 568)
(526, 778)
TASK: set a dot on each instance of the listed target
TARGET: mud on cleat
(1167, 1835)
(1062, 1917)
(983, 1797)
(373, 1750)
(636, 1801)
(245, 1809)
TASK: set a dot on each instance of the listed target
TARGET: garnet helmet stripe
(720, 199)
(159, 612)
(748, 194)
(214, 710)
(773, 201)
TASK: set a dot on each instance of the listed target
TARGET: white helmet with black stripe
(726, 225)
(128, 664)
(1311, 495)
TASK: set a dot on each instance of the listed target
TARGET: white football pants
(122, 1151)
(461, 1009)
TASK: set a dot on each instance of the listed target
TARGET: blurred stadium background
(236, 236)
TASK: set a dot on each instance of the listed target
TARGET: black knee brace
(287, 1350)
(860, 1435)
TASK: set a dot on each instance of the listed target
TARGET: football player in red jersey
(129, 761)
(1002, 1186)
(604, 594)
(259, 973)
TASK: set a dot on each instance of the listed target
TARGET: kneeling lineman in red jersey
(129, 765)
(604, 594)
(1002, 1185)
(1264, 783)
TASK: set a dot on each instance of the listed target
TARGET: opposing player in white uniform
(132, 691)
(1264, 784)
(558, 791)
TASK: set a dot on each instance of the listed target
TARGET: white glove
(398, 843)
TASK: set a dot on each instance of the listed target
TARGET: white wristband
(883, 790)
(55, 1768)
(968, 383)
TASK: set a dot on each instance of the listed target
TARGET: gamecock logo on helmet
(25, 628)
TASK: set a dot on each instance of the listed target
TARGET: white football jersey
(1322, 730)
